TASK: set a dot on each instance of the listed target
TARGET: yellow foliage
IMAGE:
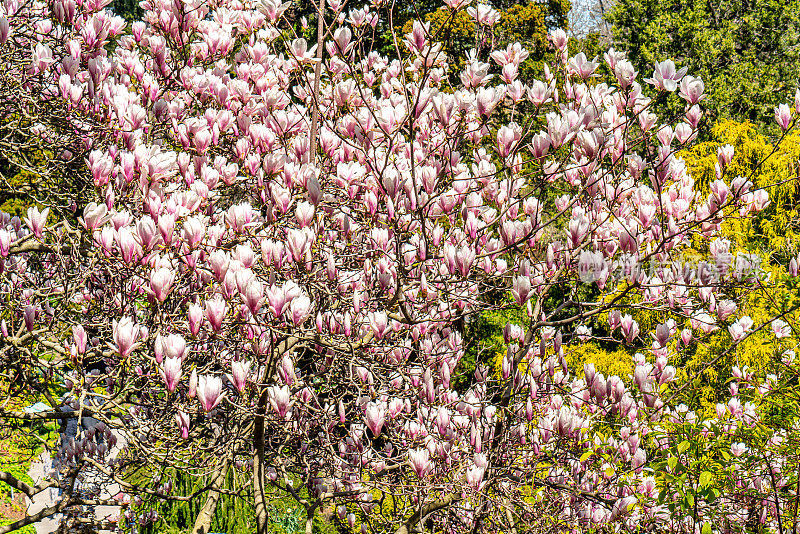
(617, 363)
(775, 168)
(523, 23)
(456, 32)
(19, 179)
(776, 230)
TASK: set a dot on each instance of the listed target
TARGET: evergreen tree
(746, 51)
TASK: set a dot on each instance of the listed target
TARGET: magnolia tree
(289, 242)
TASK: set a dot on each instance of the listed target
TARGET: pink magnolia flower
(487, 99)
(686, 336)
(161, 281)
(559, 38)
(721, 192)
(513, 54)
(209, 391)
(29, 317)
(80, 338)
(375, 417)
(684, 133)
(341, 37)
(507, 138)
(5, 30)
(302, 53)
(193, 384)
(443, 420)
(667, 375)
(665, 76)
(783, 116)
(239, 216)
(279, 399)
(127, 245)
(726, 308)
(254, 295)
(278, 300)
(174, 346)
(625, 73)
(287, 370)
(215, 312)
(735, 407)
(475, 476)
(638, 460)
(420, 461)
(623, 507)
(126, 333)
(379, 323)
(94, 215)
(158, 348)
(521, 289)
(41, 58)
(662, 334)
(195, 317)
(298, 243)
(282, 197)
(598, 388)
(172, 373)
(396, 407)
(194, 230)
(304, 212)
(240, 370)
(202, 140)
(781, 328)
(166, 227)
(5, 242)
(100, 164)
(300, 309)
(692, 89)
(704, 322)
(36, 220)
(592, 267)
(219, 263)
(464, 258)
(741, 328)
(182, 420)
(581, 66)
(148, 232)
(589, 373)
(725, 155)
(457, 4)
(630, 328)
(755, 201)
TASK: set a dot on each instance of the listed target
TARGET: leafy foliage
(525, 22)
(746, 51)
(617, 362)
(777, 228)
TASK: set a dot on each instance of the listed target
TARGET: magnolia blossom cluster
(288, 244)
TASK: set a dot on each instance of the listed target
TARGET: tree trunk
(259, 489)
(203, 522)
(312, 136)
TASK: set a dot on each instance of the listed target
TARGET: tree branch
(17, 484)
(423, 512)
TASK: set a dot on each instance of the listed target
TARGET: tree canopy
(746, 51)
(397, 289)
